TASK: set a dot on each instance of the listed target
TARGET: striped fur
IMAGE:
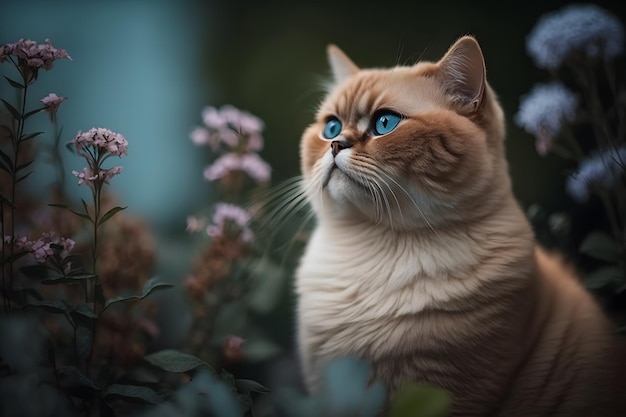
(422, 261)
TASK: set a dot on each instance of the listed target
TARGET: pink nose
(338, 145)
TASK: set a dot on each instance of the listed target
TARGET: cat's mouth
(346, 175)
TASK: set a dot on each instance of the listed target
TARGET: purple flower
(101, 140)
(48, 245)
(586, 29)
(543, 111)
(89, 177)
(251, 163)
(231, 126)
(31, 54)
(230, 214)
(52, 102)
(601, 171)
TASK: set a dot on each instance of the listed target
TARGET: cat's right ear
(341, 66)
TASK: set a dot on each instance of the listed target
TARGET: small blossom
(33, 55)
(85, 177)
(200, 136)
(601, 171)
(543, 111)
(103, 139)
(257, 168)
(195, 224)
(231, 126)
(251, 163)
(229, 213)
(586, 29)
(52, 102)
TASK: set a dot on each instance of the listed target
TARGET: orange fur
(423, 263)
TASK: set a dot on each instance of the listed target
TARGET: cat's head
(408, 147)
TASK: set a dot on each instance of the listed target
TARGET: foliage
(581, 117)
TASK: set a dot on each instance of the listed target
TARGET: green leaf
(149, 287)
(606, 276)
(29, 136)
(600, 245)
(414, 400)
(85, 311)
(76, 383)
(74, 279)
(79, 214)
(132, 393)
(7, 160)
(84, 340)
(24, 165)
(175, 361)
(109, 214)
(248, 385)
(14, 83)
(4, 166)
(35, 271)
(56, 307)
(23, 177)
(14, 112)
(32, 112)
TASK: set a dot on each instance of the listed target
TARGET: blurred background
(146, 69)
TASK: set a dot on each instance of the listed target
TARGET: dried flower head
(585, 29)
(543, 111)
(601, 171)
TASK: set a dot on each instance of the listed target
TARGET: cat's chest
(358, 275)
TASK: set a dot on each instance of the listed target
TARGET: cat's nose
(338, 145)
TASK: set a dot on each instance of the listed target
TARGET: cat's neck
(440, 263)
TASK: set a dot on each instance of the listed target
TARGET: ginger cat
(422, 261)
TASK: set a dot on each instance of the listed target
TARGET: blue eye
(386, 122)
(332, 128)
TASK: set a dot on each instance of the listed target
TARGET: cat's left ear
(341, 66)
(462, 72)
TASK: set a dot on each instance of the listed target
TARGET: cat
(421, 260)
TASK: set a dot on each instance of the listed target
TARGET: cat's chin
(343, 189)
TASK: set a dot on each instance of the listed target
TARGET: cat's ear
(341, 66)
(462, 72)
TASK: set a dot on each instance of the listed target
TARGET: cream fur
(422, 261)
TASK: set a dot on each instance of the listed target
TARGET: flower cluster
(600, 172)
(42, 249)
(576, 29)
(96, 145)
(28, 57)
(226, 217)
(543, 111)
(52, 102)
(240, 133)
(250, 163)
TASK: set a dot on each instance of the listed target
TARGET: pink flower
(256, 167)
(230, 214)
(33, 55)
(85, 177)
(251, 163)
(52, 102)
(233, 127)
(195, 224)
(100, 139)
